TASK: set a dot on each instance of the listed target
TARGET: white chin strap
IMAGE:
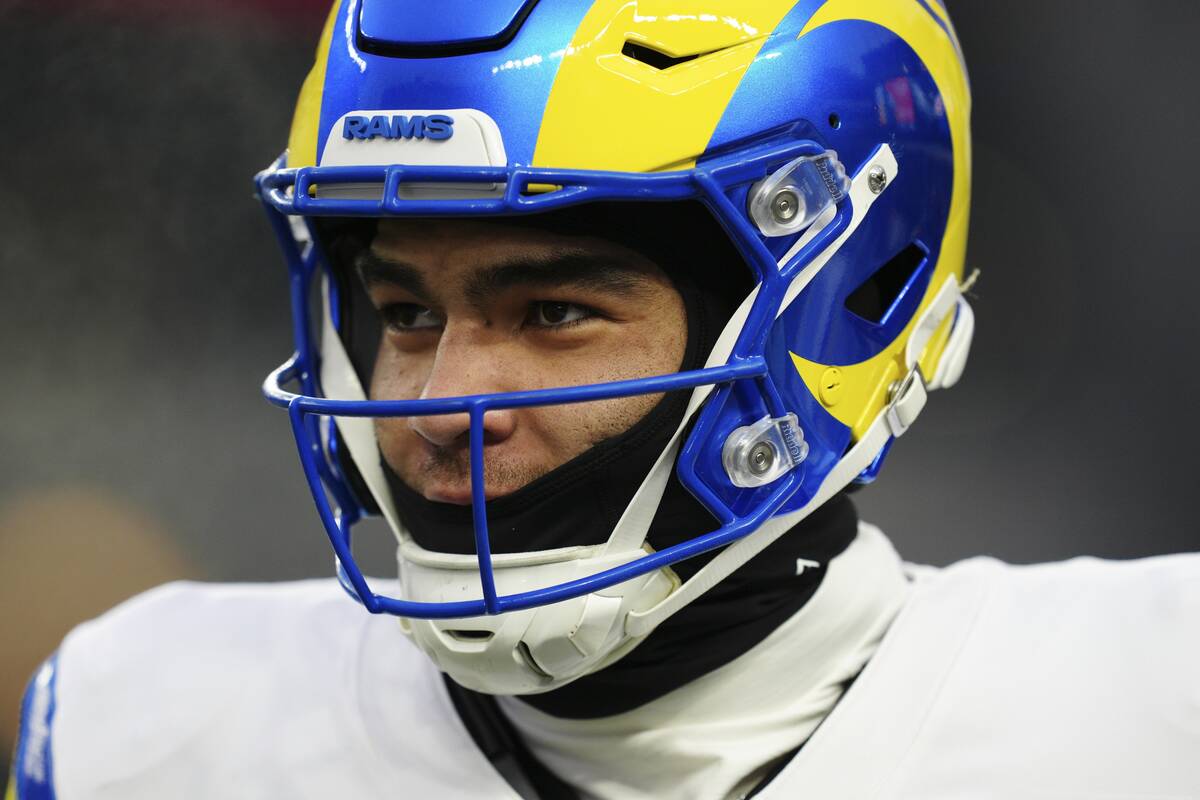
(525, 652)
(543, 648)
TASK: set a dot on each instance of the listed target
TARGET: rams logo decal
(437, 127)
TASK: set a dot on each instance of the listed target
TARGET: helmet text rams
(435, 126)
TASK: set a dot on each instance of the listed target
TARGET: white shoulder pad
(1076, 679)
(249, 691)
(165, 675)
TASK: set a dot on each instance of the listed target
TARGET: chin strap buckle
(907, 398)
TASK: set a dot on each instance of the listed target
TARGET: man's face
(469, 307)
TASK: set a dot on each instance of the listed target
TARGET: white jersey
(1071, 680)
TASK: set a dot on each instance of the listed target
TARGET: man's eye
(551, 314)
(409, 317)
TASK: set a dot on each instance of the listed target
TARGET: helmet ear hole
(875, 297)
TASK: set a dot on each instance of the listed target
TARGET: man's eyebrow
(572, 268)
(373, 270)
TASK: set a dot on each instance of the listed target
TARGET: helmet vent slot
(880, 293)
(655, 58)
(462, 635)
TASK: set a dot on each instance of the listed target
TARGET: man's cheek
(397, 376)
(391, 434)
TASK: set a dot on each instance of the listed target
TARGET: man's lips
(457, 494)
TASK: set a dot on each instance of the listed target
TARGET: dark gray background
(142, 300)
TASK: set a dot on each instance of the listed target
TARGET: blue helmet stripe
(511, 85)
(936, 17)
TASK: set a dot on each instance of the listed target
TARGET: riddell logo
(434, 126)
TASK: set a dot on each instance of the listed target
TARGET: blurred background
(142, 301)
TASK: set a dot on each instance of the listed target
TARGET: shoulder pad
(172, 677)
(194, 691)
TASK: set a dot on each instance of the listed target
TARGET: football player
(605, 307)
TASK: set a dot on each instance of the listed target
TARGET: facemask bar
(288, 193)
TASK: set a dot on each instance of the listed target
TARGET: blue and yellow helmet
(829, 139)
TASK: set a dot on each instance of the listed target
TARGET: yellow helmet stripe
(603, 102)
(938, 9)
(302, 142)
(863, 386)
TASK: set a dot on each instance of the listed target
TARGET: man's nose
(465, 365)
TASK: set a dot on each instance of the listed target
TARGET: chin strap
(908, 399)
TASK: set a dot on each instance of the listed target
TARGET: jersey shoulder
(1071, 679)
(164, 672)
(215, 690)
(1095, 609)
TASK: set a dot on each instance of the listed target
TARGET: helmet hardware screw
(762, 458)
(785, 205)
(877, 179)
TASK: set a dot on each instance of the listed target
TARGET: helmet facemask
(571, 610)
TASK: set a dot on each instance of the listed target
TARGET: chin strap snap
(908, 399)
(908, 396)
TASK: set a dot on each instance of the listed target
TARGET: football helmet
(828, 139)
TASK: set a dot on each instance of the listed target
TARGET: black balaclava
(580, 502)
